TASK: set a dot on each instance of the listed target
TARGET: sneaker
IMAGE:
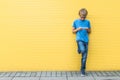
(83, 75)
(79, 52)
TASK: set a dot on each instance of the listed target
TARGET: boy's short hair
(83, 12)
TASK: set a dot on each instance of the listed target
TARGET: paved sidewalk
(60, 75)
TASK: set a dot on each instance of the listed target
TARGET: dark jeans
(83, 48)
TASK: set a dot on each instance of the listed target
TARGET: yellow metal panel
(37, 35)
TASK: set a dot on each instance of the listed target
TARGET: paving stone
(81, 78)
(18, 74)
(103, 73)
(98, 73)
(33, 74)
(107, 78)
(7, 74)
(43, 73)
(93, 73)
(6, 78)
(25, 78)
(22, 74)
(118, 73)
(59, 74)
(63, 74)
(53, 78)
(74, 74)
(38, 74)
(27, 74)
(68, 73)
(113, 72)
(89, 74)
(54, 73)
(2, 74)
(12, 74)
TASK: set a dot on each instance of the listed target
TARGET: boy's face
(82, 17)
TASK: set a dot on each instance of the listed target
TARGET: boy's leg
(84, 57)
(83, 48)
(78, 47)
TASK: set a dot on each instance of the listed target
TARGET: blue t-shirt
(81, 34)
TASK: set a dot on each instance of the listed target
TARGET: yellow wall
(36, 35)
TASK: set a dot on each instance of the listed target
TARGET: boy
(81, 27)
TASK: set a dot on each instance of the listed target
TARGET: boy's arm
(75, 30)
(88, 30)
(89, 27)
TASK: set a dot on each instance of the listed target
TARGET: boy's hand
(80, 28)
(88, 29)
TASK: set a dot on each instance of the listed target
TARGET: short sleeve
(89, 26)
(73, 25)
